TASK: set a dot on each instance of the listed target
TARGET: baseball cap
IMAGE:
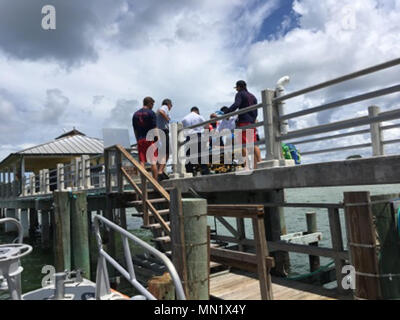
(241, 84)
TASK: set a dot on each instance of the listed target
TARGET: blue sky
(272, 25)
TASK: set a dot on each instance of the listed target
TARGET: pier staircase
(152, 200)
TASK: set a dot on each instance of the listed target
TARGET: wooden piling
(195, 226)
(275, 226)
(45, 229)
(385, 214)
(33, 222)
(311, 218)
(178, 237)
(80, 233)
(362, 245)
(162, 287)
(62, 236)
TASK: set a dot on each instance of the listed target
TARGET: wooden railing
(114, 159)
(337, 253)
(260, 262)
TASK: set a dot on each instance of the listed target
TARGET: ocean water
(295, 222)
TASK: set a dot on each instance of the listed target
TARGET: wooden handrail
(147, 177)
(143, 171)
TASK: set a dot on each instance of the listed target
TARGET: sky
(93, 70)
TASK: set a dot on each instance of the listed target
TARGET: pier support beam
(45, 229)
(195, 226)
(24, 218)
(10, 227)
(311, 218)
(33, 222)
(62, 244)
(80, 233)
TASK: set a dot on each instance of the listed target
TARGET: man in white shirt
(192, 119)
(163, 120)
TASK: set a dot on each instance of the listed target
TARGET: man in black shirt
(143, 121)
(245, 99)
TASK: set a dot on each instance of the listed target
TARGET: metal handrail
(20, 237)
(130, 274)
(343, 102)
(347, 77)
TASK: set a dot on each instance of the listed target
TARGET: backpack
(290, 152)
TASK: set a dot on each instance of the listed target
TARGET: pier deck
(234, 286)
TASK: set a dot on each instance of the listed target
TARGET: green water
(295, 222)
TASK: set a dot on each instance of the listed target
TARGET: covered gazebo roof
(68, 145)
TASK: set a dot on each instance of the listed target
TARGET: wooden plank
(337, 244)
(233, 286)
(228, 226)
(145, 206)
(241, 260)
(178, 237)
(235, 211)
(362, 245)
(241, 232)
(262, 252)
(288, 247)
(158, 217)
(299, 248)
(314, 261)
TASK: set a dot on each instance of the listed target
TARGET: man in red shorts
(245, 99)
(143, 121)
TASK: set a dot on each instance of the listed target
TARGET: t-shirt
(161, 122)
(227, 124)
(143, 121)
(243, 100)
(192, 119)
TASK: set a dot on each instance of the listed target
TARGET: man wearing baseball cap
(245, 99)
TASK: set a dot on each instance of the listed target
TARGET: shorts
(166, 131)
(143, 146)
(253, 137)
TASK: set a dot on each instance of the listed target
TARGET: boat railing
(102, 278)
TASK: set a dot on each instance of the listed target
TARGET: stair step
(154, 226)
(160, 212)
(165, 239)
(139, 202)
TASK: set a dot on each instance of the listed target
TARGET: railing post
(60, 177)
(337, 244)
(271, 130)
(376, 133)
(311, 218)
(32, 184)
(24, 186)
(175, 149)
(86, 172)
(40, 181)
(46, 174)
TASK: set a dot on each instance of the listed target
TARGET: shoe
(165, 176)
